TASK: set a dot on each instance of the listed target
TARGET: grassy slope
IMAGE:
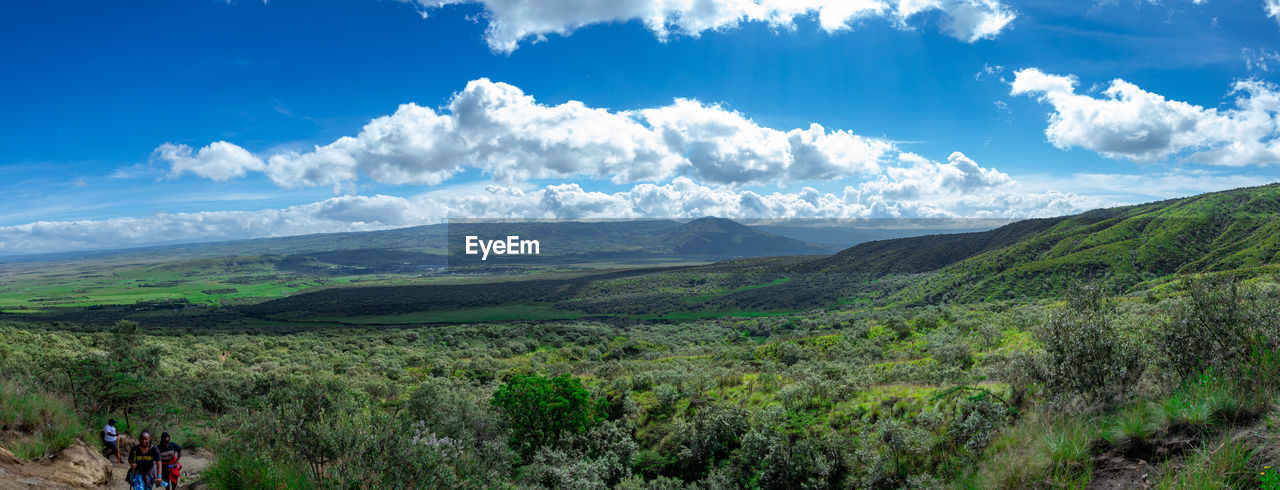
(36, 424)
(1220, 231)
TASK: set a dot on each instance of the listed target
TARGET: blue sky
(130, 123)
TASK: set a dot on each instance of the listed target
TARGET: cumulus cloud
(912, 186)
(1127, 122)
(500, 130)
(217, 161)
(511, 22)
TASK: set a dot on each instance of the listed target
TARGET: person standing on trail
(143, 459)
(111, 439)
(170, 453)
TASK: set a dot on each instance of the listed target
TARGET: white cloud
(1272, 8)
(218, 161)
(345, 213)
(725, 147)
(514, 21)
(1260, 59)
(1144, 187)
(912, 187)
(1130, 123)
(498, 129)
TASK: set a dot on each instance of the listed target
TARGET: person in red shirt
(170, 453)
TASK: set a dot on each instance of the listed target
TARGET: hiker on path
(143, 460)
(170, 453)
(111, 439)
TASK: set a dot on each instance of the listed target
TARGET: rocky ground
(82, 466)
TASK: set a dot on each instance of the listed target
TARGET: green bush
(1216, 326)
(450, 407)
(539, 411)
(1085, 353)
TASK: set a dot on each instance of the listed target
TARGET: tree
(542, 410)
(119, 380)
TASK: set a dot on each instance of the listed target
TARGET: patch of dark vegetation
(161, 284)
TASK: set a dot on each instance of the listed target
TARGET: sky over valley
(152, 122)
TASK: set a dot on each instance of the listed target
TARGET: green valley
(1123, 347)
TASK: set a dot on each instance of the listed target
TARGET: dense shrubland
(985, 395)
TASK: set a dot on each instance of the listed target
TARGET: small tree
(120, 380)
(542, 410)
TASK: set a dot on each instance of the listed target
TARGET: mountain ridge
(1127, 246)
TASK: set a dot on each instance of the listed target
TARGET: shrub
(315, 420)
(711, 437)
(1216, 326)
(541, 410)
(1085, 353)
(598, 458)
(949, 348)
(972, 429)
(667, 397)
(449, 407)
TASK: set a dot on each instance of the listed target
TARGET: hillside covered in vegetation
(1134, 347)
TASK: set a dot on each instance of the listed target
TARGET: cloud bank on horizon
(913, 187)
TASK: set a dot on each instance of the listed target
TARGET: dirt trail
(194, 462)
(81, 466)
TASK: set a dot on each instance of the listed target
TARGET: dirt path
(81, 466)
(194, 462)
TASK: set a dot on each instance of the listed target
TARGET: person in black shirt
(143, 459)
(170, 453)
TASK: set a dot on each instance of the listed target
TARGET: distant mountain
(407, 249)
(1236, 230)
(428, 238)
(845, 233)
(700, 239)
(727, 238)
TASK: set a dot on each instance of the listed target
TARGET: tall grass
(1068, 447)
(1137, 423)
(1205, 402)
(1221, 463)
(1038, 451)
(45, 424)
